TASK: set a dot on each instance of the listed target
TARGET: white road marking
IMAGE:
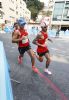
(59, 59)
(55, 49)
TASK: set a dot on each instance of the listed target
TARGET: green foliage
(46, 13)
(34, 6)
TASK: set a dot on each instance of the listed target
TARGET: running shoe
(35, 69)
(47, 71)
(19, 59)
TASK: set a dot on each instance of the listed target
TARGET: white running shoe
(47, 71)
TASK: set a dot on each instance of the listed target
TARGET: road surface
(39, 86)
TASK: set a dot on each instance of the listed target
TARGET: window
(12, 1)
(58, 10)
(0, 5)
(66, 13)
(67, 5)
(11, 9)
(17, 12)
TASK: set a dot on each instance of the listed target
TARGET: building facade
(50, 5)
(22, 10)
(10, 10)
(60, 15)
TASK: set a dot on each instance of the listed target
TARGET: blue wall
(5, 83)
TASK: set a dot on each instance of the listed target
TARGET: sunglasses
(45, 27)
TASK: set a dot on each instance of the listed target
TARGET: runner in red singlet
(42, 49)
(24, 45)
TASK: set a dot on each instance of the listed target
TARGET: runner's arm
(50, 40)
(35, 40)
(15, 37)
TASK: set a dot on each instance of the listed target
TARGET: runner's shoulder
(26, 32)
(17, 32)
(39, 35)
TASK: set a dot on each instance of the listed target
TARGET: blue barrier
(5, 83)
(8, 29)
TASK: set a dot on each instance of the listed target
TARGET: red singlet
(24, 42)
(42, 41)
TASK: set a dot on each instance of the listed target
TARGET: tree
(34, 6)
(46, 13)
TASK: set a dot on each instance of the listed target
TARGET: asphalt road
(39, 86)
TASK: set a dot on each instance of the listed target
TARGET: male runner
(42, 49)
(24, 45)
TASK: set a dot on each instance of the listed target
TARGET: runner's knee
(48, 60)
(41, 59)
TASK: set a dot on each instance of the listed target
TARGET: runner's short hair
(15, 24)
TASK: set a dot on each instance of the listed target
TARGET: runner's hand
(23, 37)
(44, 45)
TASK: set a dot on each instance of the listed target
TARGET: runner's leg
(21, 53)
(40, 58)
(31, 54)
(47, 56)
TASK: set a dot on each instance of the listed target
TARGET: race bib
(25, 40)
